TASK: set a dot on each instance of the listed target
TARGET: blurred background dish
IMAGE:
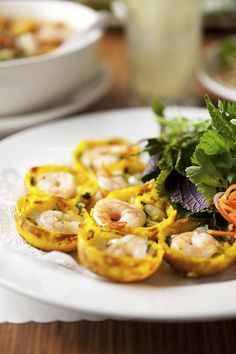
(218, 71)
(163, 49)
(81, 98)
(27, 37)
(33, 83)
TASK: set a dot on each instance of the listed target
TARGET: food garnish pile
(124, 217)
(225, 69)
(20, 38)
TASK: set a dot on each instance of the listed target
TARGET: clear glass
(164, 39)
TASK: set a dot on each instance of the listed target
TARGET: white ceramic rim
(101, 304)
(89, 39)
(74, 291)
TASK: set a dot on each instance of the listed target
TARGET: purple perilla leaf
(151, 166)
(182, 191)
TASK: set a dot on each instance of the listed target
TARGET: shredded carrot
(231, 203)
(221, 233)
(226, 205)
(233, 195)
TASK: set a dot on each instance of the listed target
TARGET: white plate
(209, 62)
(166, 296)
(85, 96)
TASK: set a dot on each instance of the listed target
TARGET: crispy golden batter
(141, 196)
(30, 207)
(192, 266)
(126, 161)
(93, 254)
(85, 185)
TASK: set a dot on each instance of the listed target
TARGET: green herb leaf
(221, 119)
(202, 160)
(212, 143)
(158, 108)
(160, 183)
(80, 207)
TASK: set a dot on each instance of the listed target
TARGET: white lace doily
(11, 187)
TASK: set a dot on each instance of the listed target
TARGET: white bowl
(29, 84)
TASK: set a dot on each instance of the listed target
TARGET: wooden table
(121, 337)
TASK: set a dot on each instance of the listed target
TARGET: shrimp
(52, 33)
(129, 245)
(55, 220)
(118, 214)
(197, 243)
(112, 183)
(100, 156)
(59, 184)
